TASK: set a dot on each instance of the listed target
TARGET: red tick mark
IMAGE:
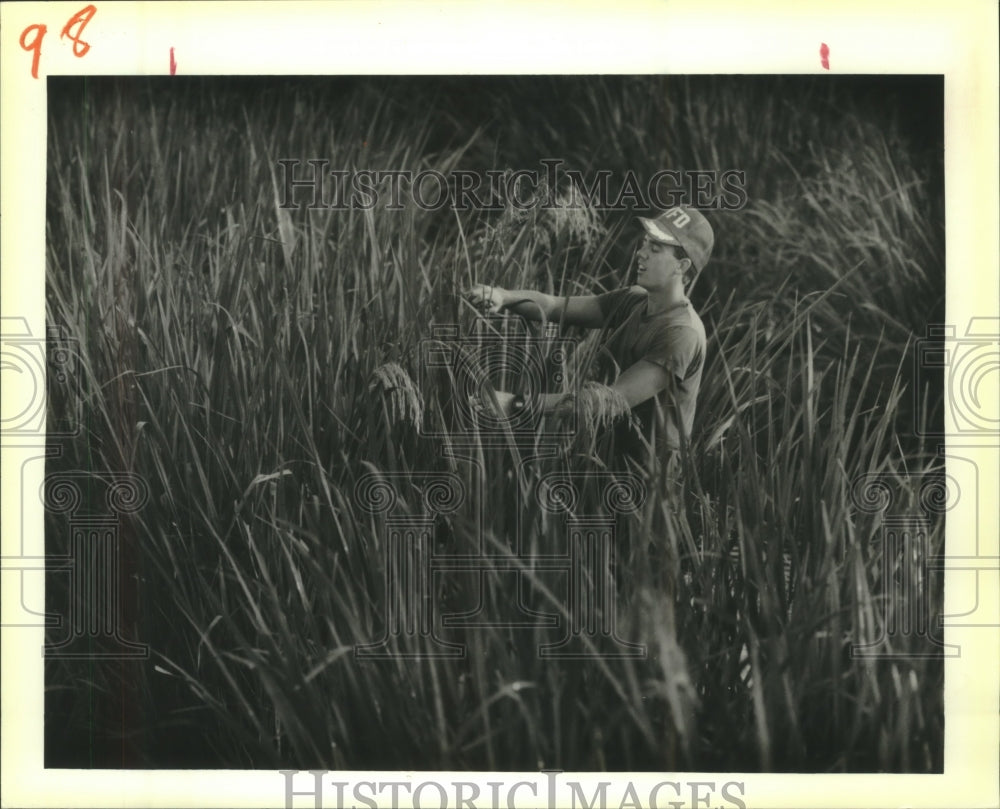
(824, 55)
(173, 64)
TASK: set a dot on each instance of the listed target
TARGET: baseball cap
(685, 227)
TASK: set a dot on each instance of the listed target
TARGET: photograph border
(957, 40)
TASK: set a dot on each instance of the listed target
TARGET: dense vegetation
(252, 363)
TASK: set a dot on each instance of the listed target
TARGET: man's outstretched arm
(636, 384)
(574, 310)
(642, 381)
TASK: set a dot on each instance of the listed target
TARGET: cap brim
(656, 232)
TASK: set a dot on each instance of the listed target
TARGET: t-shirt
(673, 339)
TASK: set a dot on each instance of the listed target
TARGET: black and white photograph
(499, 423)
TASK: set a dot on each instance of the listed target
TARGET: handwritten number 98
(32, 36)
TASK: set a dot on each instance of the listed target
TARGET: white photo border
(957, 40)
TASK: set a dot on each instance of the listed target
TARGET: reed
(253, 363)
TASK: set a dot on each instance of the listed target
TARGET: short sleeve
(677, 349)
(618, 304)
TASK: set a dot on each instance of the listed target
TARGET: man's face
(658, 264)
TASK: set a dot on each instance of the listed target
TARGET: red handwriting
(37, 32)
(824, 55)
(80, 20)
(173, 64)
(35, 45)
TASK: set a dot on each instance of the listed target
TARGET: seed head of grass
(405, 404)
(575, 215)
(599, 406)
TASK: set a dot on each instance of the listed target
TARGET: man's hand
(503, 408)
(564, 406)
(506, 402)
(487, 298)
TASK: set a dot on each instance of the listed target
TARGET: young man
(654, 335)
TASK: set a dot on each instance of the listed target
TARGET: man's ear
(688, 274)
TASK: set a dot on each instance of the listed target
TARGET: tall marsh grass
(253, 363)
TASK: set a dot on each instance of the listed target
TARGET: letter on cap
(679, 216)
